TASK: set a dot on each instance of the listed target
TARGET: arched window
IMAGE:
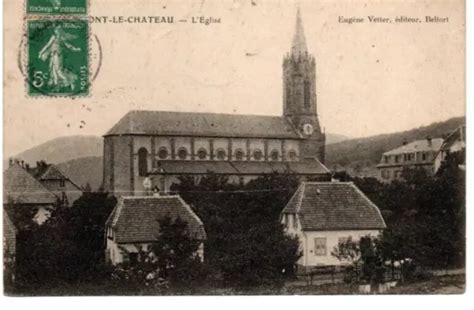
(221, 154)
(292, 155)
(288, 93)
(182, 153)
(142, 162)
(307, 94)
(239, 155)
(257, 154)
(202, 153)
(163, 153)
(274, 155)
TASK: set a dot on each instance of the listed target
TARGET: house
(9, 239)
(417, 154)
(133, 225)
(56, 181)
(162, 145)
(22, 190)
(323, 214)
(455, 142)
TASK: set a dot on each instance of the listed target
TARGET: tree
(366, 262)
(177, 253)
(246, 244)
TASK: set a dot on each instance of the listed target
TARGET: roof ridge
(300, 200)
(201, 113)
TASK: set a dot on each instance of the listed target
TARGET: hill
(362, 154)
(63, 149)
(332, 138)
(85, 170)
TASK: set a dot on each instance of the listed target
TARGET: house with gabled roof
(324, 214)
(57, 182)
(22, 190)
(454, 142)
(133, 225)
(418, 154)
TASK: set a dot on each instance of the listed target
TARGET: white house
(455, 142)
(133, 225)
(322, 214)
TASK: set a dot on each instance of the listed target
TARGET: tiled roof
(239, 167)
(417, 146)
(203, 124)
(333, 206)
(459, 134)
(135, 219)
(22, 188)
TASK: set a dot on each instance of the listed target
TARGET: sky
(370, 78)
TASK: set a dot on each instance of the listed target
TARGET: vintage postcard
(236, 147)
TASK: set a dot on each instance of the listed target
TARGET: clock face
(308, 129)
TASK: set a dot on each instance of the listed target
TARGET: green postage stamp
(56, 7)
(58, 57)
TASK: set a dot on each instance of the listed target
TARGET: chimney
(428, 138)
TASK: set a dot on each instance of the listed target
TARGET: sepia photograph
(236, 147)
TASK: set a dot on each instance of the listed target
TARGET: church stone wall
(122, 169)
(183, 142)
(239, 144)
(256, 144)
(108, 163)
(202, 143)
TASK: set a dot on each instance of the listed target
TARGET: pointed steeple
(298, 45)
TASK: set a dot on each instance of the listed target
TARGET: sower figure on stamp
(58, 75)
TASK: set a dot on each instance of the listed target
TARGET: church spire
(298, 45)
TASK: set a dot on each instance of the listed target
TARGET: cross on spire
(298, 45)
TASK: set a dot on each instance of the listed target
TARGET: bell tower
(299, 95)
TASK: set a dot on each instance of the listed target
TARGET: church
(151, 149)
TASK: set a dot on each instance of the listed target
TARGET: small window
(221, 154)
(62, 183)
(274, 155)
(320, 247)
(257, 155)
(343, 240)
(163, 153)
(202, 154)
(397, 158)
(292, 155)
(239, 155)
(133, 258)
(423, 156)
(182, 153)
(385, 159)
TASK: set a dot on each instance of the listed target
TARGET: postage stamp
(58, 57)
(56, 7)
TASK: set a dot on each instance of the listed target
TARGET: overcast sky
(371, 78)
